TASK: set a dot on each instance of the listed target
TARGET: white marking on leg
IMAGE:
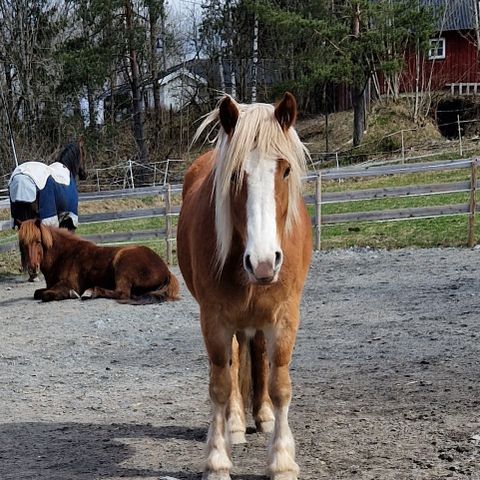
(265, 418)
(236, 422)
(87, 294)
(74, 294)
(218, 461)
(281, 456)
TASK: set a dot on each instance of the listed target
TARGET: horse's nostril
(248, 264)
(278, 259)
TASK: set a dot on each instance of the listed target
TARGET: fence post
(98, 180)
(154, 173)
(473, 204)
(131, 173)
(460, 135)
(403, 148)
(168, 223)
(318, 212)
(165, 178)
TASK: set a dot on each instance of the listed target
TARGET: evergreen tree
(348, 41)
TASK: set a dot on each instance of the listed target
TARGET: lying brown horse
(244, 246)
(74, 267)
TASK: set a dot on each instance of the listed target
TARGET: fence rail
(317, 200)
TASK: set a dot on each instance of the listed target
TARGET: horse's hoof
(73, 294)
(266, 427)
(218, 475)
(237, 437)
(87, 294)
(284, 476)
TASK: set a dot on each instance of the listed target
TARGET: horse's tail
(245, 380)
(241, 370)
(169, 291)
(253, 381)
(172, 289)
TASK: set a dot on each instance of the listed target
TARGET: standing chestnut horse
(75, 267)
(244, 247)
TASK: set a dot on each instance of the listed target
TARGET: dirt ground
(386, 377)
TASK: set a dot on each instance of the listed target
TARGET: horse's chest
(254, 311)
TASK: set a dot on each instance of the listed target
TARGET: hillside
(385, 122)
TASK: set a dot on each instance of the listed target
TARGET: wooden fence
(469, 208)
(317, 200)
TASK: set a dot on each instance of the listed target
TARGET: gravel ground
(386, 378)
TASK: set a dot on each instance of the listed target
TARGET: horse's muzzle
(264, 273)
(33, 273)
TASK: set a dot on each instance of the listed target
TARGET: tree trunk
(112, 98)
(254, 59)
(359, 105)
(135, 86)
(154, 16)
(358, 92)
(9, 84)
(221, 73)
(92, 121)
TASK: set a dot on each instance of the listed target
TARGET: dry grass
(312, 131)
(384, 120)
(120, 204)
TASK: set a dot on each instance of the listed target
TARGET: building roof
(454, 14)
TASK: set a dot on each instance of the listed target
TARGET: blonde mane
(256, 128)
(29, 233)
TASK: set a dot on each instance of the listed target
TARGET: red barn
(452, 61)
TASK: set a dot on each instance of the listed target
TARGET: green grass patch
(9, 264)
(136, 225)
(391, 181)
(394, 203)
(7, 236)
(421, 233)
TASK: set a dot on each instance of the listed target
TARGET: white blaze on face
(263, 255)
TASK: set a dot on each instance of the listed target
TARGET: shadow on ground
(75, 451)
(81, 451)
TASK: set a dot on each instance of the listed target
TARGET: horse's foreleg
(262, 405)
(281, 458)
(38, 293)
(57, 292)
(218, 343)
(99, 292)
(236, 409)
(123, 289)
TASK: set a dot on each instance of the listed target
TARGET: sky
(186, 6)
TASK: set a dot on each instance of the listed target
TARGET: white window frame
(435, 45)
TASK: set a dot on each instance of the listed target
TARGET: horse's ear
(228, 112)
(286, 111)
(80, 140)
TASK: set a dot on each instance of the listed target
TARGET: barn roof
(453, 14)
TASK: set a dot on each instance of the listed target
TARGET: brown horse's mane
(33, 231)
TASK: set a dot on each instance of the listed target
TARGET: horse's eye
(234, 178)
(286, 173)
